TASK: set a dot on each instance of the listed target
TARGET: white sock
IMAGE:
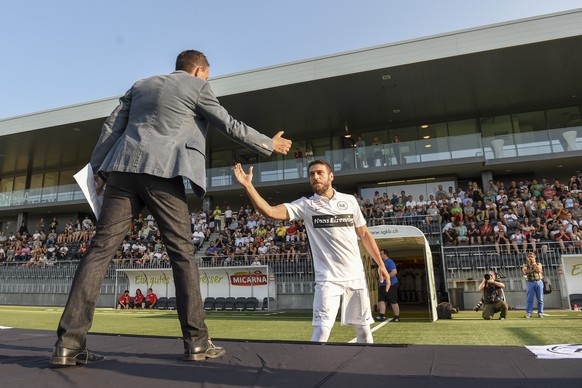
(364, 335)
(320, 333)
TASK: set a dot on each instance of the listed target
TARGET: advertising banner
(214, 281)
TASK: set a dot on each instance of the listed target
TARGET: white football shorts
(354, 299)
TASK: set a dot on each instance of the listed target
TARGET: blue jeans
(535, 289)
(125, 197)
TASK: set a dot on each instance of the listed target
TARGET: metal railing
(466, 265)
(291, 275)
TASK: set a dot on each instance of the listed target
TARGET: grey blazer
(160, 127)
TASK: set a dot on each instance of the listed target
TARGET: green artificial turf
(466, 327)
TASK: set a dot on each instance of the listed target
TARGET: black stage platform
(134, 361)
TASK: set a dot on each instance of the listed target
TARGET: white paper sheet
(85, 179)
(557, 351)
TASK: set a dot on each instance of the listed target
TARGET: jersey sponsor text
(332, 220)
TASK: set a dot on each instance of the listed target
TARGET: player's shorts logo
(342, 205)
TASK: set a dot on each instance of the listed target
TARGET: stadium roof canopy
(516, 66)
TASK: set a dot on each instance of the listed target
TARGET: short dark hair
(319, 161)
(190, 59)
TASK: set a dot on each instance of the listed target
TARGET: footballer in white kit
(334, 222)
(339, 271)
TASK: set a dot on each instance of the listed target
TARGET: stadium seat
(162, 303)
(171, 303)
(219, 303)
(229, 303)
(252, 304)
(209, 303)
(240, 303)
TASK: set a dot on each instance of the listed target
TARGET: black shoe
(395, 319)
(381, 318)
(69, 357)
(200, 354)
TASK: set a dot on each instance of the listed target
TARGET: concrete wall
(53, 300)
(295, 302)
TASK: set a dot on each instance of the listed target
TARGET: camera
(498, 275)
(479, 304)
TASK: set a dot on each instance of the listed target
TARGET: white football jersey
(330, 225)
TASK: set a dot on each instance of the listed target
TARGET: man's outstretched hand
(280, 144)
(245, 179)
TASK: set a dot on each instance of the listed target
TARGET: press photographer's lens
(487, 276)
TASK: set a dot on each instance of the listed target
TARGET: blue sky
(64, 52)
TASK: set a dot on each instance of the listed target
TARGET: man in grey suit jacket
(154, 138)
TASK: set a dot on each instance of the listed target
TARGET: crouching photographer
(492, 297)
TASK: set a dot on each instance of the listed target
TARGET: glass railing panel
(13, 198)
(342, 160)
(67, 192)
(391, 154)
(272, 171)
(566, 139)
(219, 177)
(78, 194)
(466, 146)
(280, 170)
(435, 149)
(49, 194)
(34, 196)
(409, 152)
(533, 143)
(63, 193)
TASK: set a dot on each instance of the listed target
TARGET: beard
(320, 188)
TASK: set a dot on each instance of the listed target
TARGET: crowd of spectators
(520, 216)
(249, 238)
(243, 238)
(45, 246)
(523, 215)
